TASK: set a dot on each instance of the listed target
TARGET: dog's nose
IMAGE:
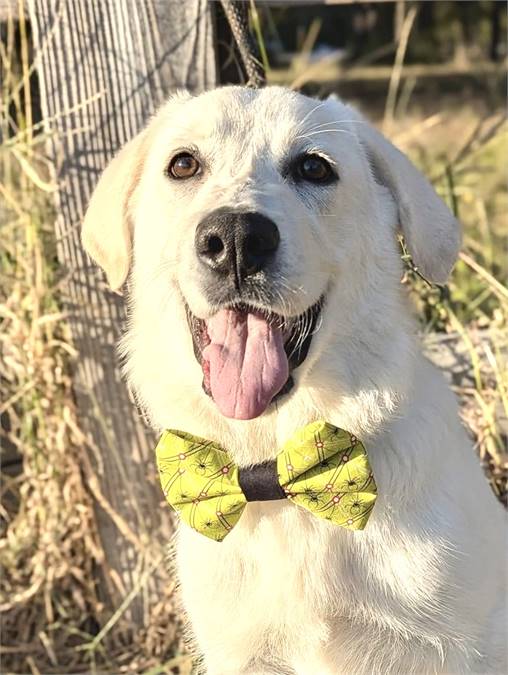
(237, 244)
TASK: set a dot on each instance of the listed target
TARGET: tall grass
(51, 557)
(49, 545)
(465, 153)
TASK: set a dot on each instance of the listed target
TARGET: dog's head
(260, 228)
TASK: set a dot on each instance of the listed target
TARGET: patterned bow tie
(321, 468)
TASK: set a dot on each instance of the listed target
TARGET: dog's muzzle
(234, 246)
(247, 350)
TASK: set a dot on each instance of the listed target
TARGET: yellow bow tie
(322, 468)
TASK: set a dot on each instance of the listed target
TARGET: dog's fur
(420, 590)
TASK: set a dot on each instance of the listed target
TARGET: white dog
(259, 230)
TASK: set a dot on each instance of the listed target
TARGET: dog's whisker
(302, 328)
(332, 123)
(163, 266)
(328, 124)
(298, 290)
(311, 112)
(326, 131)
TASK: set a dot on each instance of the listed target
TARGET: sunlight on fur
(420, 589)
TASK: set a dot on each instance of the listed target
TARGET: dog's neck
(357, 379)
(364, 411)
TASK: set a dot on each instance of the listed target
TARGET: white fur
(420, 590)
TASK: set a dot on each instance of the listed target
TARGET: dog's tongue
(246, 361)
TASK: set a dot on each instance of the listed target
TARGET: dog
(248, 220)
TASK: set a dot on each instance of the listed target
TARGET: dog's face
(260, 227)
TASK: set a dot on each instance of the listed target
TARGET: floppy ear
(107, 231)
(432, 233)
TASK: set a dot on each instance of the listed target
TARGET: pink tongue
(247, 363)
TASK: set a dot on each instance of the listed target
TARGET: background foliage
(453, 126)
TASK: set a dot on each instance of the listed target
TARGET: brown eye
(183, 165)
(314, 169)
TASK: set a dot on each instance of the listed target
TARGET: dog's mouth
(247, 355)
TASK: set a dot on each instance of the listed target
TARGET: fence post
(103, 68)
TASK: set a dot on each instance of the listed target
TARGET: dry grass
(49, 547)
(53, 620)
(50, 552)
(466, 156)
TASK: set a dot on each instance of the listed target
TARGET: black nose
(236, 244)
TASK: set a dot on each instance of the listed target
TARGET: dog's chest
(278, 569)
(289, 584)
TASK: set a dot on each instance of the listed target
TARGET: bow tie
(321, 468)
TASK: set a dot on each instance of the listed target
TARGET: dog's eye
(314, 169)
(183, 165)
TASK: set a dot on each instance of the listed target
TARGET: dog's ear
(432, 233)
(107, 231)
